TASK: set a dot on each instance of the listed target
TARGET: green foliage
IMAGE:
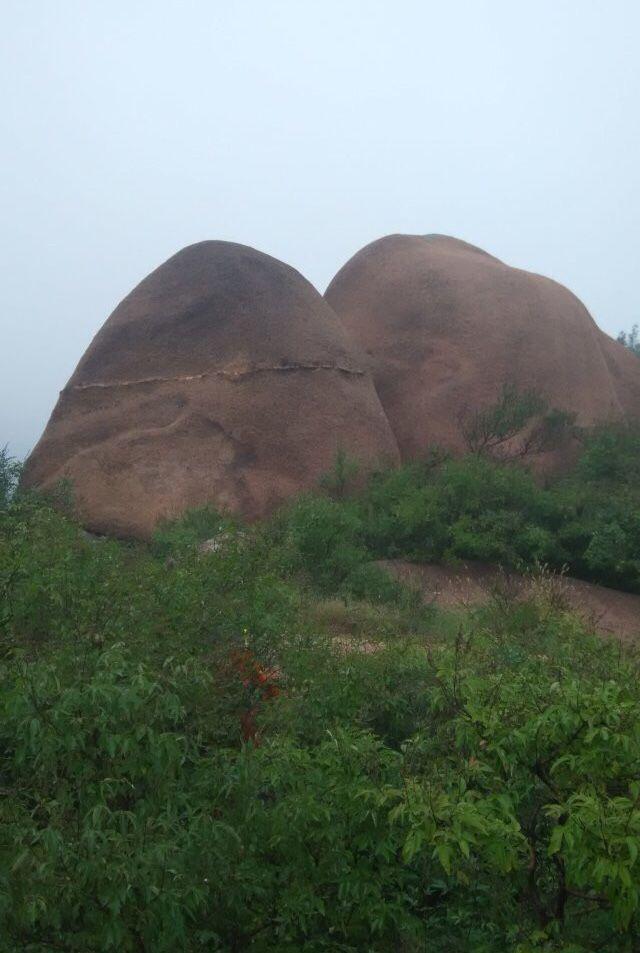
(95, 753)
(611, 455)
(57, 584)
(324, 538)
(479, 794)
(325, 541)
(519, 424)
(631, 339)
(185, 533)
(601, 528)
(9, 476)
(462, 509)
(340, 479)
(481, 509)
(414, 782)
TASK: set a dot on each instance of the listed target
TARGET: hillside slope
(607, 611)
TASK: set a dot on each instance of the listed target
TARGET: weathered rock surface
(223, 378)
(446, 326)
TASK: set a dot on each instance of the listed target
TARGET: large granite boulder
(446, 327)
(224, 378)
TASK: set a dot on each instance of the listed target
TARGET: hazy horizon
(307, 132)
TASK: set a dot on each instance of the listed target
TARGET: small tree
(631, 339)
(340, 479)
(9, 475)
(519, 424)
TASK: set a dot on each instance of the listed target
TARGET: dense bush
(57, 584)
(481, 509)
(198, 753)
(476, 795)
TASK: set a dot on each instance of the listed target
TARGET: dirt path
(609, 611)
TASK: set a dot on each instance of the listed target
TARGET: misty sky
(306, 129)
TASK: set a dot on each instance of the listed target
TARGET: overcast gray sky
(306, 129)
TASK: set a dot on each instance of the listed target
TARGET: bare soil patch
(609, 611)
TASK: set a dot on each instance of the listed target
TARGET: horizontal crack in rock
(232, 373)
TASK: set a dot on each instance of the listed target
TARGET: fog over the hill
(306, 130)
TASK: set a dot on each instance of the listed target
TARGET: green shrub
(480, 795)
(451, 785)
(59, 585)
(611, 456)
(9, 475)
(186, 532)
(324, 540)
(342, 476)
(480, 509)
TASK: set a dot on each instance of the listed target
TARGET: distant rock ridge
(225, 378)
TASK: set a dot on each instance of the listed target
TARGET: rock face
(446, 326)
(223, 378)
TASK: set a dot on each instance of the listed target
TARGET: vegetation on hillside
(475, 508)
(631, 339)
(271, 746)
